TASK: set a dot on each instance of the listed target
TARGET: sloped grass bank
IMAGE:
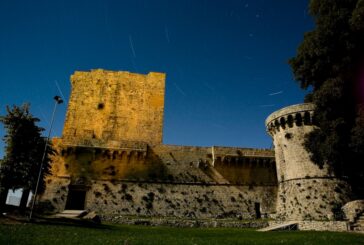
(129, 234)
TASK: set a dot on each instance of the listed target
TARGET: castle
(111, 159)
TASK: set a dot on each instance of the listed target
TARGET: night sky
(226, 61)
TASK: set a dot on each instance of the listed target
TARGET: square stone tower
(111, 106)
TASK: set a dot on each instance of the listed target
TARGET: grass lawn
(123, 234)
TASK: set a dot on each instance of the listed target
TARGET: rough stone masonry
(111, 159)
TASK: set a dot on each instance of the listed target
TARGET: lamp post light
(58, 100)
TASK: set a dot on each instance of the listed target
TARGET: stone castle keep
(111, 160)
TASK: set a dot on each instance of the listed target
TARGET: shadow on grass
(41, 220)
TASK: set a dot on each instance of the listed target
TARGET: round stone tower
(305, 190)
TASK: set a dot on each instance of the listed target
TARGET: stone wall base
(175, 222)
(318, 225)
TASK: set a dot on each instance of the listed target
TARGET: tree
(330, 63)
(23, 153)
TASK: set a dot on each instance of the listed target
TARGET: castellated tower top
(295, 115)
(299, 179)
(115, 106)
(288, 128)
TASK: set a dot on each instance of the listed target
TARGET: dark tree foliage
(330, 62)
(23, 151)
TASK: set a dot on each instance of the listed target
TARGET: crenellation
(299, 179)
(289, 117)
(111, 153)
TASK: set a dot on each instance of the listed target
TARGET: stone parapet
(323, 226)
(243, 152)
(317, 225)
(287, 117)
(173, 222)
(112, 145)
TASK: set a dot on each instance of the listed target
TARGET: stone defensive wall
(306, 191)
(245, 165)
(133, 178)
(111, 160)
(257, 165)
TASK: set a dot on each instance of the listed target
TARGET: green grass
(118, 234)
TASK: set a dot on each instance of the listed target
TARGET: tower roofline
(289, 110)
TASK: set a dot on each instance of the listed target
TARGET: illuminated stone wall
(114, 106)
(306, 191)
(111, 152)
(164, 180)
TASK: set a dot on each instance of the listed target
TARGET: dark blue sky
(226, 61)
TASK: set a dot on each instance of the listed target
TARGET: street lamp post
(58, 100)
